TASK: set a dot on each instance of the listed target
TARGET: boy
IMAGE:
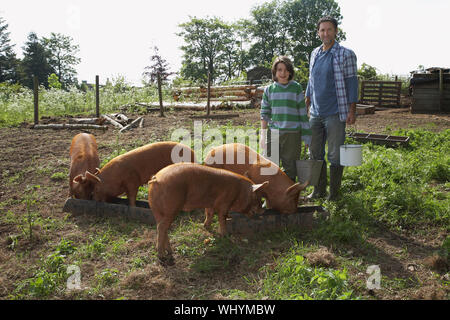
(283, 108)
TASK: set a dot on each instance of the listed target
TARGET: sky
(116, 37)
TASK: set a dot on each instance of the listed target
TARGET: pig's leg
(162, 238)
(209, 212)
(223, 221)
(163, 245)
(131, 195)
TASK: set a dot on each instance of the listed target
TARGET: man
(331, 98)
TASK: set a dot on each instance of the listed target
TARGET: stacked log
(220, 93)
(215, 105)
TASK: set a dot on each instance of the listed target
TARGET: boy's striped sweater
(283, 106)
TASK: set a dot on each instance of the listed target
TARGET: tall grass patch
(17, 103)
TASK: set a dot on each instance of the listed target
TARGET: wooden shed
(430, 91)
(256, 75)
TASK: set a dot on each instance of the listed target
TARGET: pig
(83, 159)
(127, 172)
(281, 194)
(189, 186)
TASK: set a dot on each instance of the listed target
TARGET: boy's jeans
(290, 147)
(325, 129)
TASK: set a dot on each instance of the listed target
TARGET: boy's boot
(335, 182)
(320, 191)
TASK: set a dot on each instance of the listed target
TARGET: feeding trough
(119, 208)
(381, 139)
(271, 220)
(309, 170)
(236, 223)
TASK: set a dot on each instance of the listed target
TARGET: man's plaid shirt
(344, 66)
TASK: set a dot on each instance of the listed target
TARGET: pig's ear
(79, 179)
(92, 178)
(259, 187)
(296, 188)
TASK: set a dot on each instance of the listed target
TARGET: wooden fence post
(208, 94)
(36, 99)
(161, 107)
(97, 96)
(441, 90)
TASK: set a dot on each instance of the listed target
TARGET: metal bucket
(351, 155)
(309, 170)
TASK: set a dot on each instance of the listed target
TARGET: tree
(36, 62)
(241, 54)
(8, 61)
(289, 28)
(159, 65)
(367, 72)
(231, 60)
(204, 47)
(269, 33)
(63, 57)
(302, 74)
(301, 17)
(53, 81)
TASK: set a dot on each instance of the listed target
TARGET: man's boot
(335, 182)
(320, 191)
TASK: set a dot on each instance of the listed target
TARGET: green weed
(294, 279)
(58, 176)
(107, 277)
(51, 275)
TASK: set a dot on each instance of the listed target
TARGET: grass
(403, 187)
(17, 106)
(293, 278)
(398, 189)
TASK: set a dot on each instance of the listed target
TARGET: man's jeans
(325, 129)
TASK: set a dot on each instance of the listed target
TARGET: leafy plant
(293, 278)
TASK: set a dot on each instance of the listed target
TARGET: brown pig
(281, 194)
(83, 158)
(189, 186)
(127, 172)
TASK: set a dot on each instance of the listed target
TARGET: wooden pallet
(381, 93)
(236, 223)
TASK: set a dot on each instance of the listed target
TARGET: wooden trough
(365, 109)
(237, 223)
(387, 140)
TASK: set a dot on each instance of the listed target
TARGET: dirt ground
(30, 157)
